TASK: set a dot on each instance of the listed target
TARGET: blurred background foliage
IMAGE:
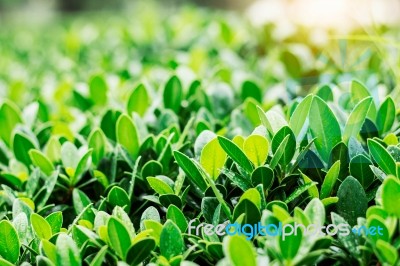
(77, 5)
(54, 46)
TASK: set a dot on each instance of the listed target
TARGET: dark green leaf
(352, 200)
(382, 157)
(118, 197)
(21, 146)
(236, 154)
(360, 169)
(171, 242)
(324, 127)
(175, 214)
(140, 250)
(190, 170)
(290, 147)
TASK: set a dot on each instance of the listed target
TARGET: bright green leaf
(9, 242)
(127, 135)
(256, 148)
(213, 158)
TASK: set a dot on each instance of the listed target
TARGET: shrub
(118, 140)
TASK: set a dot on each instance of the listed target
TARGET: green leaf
(49, 249)
(356, 119)
(175, 214)
(375, 221)
(239, 251)
(171, 241)
(121, 214)
(325, 93)
(159, 186)
(67, 251)
(9, 242)
(151, 213)
(41, 227)
(213, 158)
(21, 225)
(69, 155)
(347, 240)
(236, 154)
(289, 245)
(253, 195)
(280, 151)
(168, 199)
(382, 157)
(40, 160)
(139, 100)
(81, 167)
(289, 148)
(300, 190)
(173, 94)
(386, 115)
(249, 209)
(42, 261)
(53, 149)
(152, 168)
(352, 202)
(21, 147)
(97, 142)
(55, 221)
(263, 175)
(312, 191)
(360, 169)
(109, 123)
(156, 227)
(315, 212)
(250, 89)
(292, 64)
(256, 148)
(82, 234)
(264, 120)
(98, 260)
(250, 110)
(329, 201)
(190, 170)
(300, 115)
(127, 135)
(330, 180)
(276, 120)
(390, 195)
(140, 250)
(98, 90)
(9, 117)
(386, 252)
(324, 127)
(239, 180)
(359, 92)
(47, 189)
(80, 200)
(118, 197)
(341, 153)
(119, 237)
